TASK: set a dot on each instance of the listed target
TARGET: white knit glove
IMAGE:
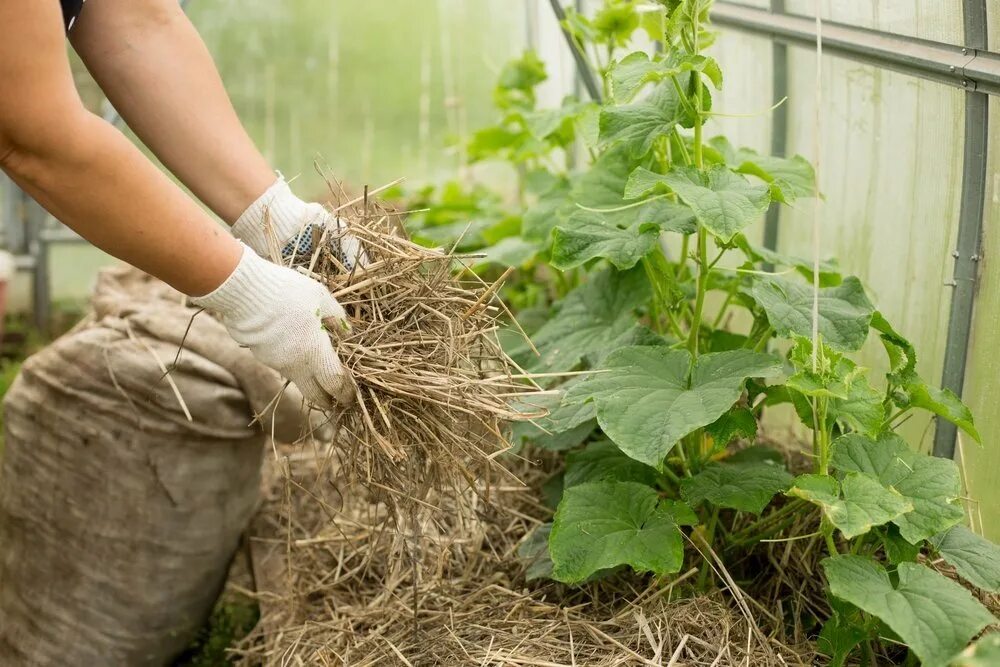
(281, 316)
(294, 223)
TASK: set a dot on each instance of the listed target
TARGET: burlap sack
(118, 514)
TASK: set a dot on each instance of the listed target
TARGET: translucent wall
(938, 20)
(891, 171)
(982, 386)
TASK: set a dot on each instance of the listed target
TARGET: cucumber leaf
(930, 484)
(976, 559)
(648, 398)
(595, 318)
(723, 202)
(638, 125)
(933, 615)
(601, 525)
(845, 313)
(603, 462)
(588, 236)
(854, 506)
(564, 427)
(747, 487)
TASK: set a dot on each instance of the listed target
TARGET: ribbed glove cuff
(286, 214)
(252, 282)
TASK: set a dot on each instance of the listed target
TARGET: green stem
(827, 529)
(763, 523)
(824, 438)
(724, 309)
(682, 147)
(682, 262)
(709, 538)
(899, 413)
(699, 303)
(765, 338)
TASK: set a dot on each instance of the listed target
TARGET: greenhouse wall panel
(937, 20)
(891, 172)
(981, 465)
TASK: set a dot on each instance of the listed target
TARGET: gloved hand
(282, 315)
(294, 222)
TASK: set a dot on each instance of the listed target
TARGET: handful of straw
(433, 385)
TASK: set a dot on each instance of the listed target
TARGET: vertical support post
(582, 67)
(970, 227)
(779, 124)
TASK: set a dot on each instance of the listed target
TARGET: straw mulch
(334, 592)
(394, 540)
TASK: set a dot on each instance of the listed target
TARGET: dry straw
(433, 387)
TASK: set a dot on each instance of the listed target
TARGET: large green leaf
(563, 427)
(854, 506)
(601, 189)
(976, 559)
(648, 398)
(931, 484)
(600, 525)
(747, 487)
(789, 178)
(845, 313)
(724, 202)
(736, 423)
(637, 126)
(587, 236)
(918, 393)
(629, 75)
(944, 403)
(596, 318)
(933, 615)
(603, 462)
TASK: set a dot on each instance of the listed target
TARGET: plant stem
(699, 303)
(709, 537)
(762, 523)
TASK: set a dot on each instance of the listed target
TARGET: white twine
(817, 202)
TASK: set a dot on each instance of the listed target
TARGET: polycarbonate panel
(937, 20)
(747, 67)
(376, 89)
(891, 169)
(981, 466)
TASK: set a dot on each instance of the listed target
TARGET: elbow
(33, 147)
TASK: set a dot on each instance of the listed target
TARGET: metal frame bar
(969, 66)
(582, 68)
(968, 251)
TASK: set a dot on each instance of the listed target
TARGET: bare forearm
(100, 185)
(156, 70)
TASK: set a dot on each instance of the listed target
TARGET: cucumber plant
(624, 259)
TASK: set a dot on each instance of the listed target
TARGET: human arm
(157, 72)
(91, 177)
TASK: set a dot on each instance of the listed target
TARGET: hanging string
(817, 201)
